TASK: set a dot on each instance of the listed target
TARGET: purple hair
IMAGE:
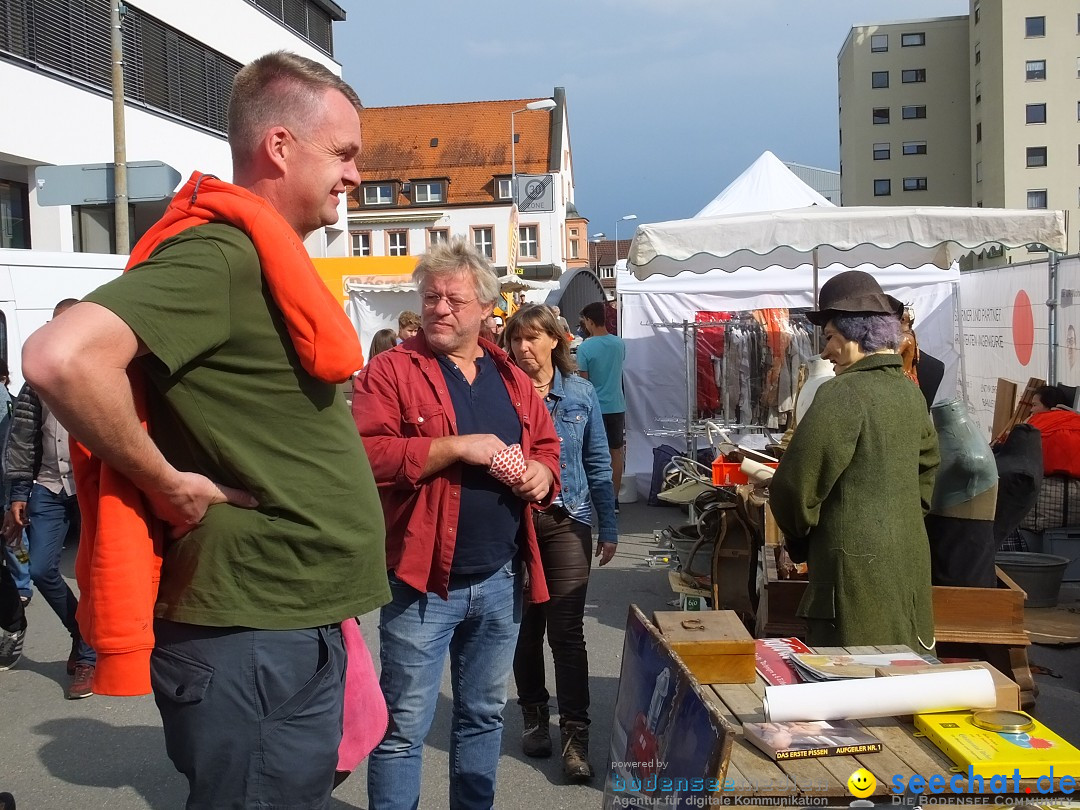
(872, 332)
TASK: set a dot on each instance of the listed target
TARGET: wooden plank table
(822, 781)
(986, 624)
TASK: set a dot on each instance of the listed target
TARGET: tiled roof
(602, 253)
(472, 145)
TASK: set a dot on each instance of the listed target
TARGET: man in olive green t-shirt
(277, 531)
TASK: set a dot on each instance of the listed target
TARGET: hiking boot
(11, 644)
(82, 682)
(536, 738)
(575, 752)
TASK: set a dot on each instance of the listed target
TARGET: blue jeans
(478, 625)
(50, 518)
(20, 572)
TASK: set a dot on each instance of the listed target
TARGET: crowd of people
(236, 519)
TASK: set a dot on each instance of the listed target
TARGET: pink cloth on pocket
(508, 465)
(366, 717)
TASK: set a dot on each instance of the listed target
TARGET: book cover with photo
(773, 659)
(801, 740)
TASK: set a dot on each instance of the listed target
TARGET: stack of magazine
(813, 668)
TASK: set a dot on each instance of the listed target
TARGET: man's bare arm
(77, 363)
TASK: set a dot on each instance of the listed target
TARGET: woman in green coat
(854, 485)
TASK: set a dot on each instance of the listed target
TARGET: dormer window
(502, 188)
(378, 194)
(428, 192)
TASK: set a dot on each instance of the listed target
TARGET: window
(427, 192)
(361, 243)
(978, 14)
(14, 214)
(528, 246)
(978, 132)
(914, 184)
(978, 173)
(1035, 114)
(378, 194)
(913, 76)
(879, 79)
(575, 245)
(305, 17)
(502, 188)
(1078, 67)
(881, 115)
(978, 92)
(483, 242)
(881, 151)
(437, 236)
(1036, 198)
(912, 40)
(879, 43)
(397, 243)
(882, 188)
(915, 111)
(1035, 26)
(1035, 70)
(1036, 156)
(914, 147)
(978, 54)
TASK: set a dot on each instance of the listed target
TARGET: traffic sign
(92, 183)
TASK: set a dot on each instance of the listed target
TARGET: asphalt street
(106, 752)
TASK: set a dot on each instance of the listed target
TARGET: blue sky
(668, 100)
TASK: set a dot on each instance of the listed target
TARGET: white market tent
(677, 268)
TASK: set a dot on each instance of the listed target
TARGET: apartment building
(179, 63)
(977, 110)
(433, 171)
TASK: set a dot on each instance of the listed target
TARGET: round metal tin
(1004, 721)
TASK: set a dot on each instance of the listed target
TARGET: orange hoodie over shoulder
(122, 543)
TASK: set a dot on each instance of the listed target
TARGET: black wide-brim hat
(853, 292)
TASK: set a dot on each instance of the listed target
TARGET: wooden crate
(714, 645)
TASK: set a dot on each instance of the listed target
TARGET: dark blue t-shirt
(490, 514)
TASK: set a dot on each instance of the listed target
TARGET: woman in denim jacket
(564, 532)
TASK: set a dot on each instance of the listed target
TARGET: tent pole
(959, 335)
(1052, 305)
(691, 379)
(817, 329)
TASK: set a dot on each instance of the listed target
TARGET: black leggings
(566, 552)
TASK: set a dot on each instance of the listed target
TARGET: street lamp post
(621, 219)
(541, 104)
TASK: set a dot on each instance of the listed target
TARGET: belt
(556, 512)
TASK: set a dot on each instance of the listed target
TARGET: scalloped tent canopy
(820, 236)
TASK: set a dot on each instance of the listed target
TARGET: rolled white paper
(756, 472)
(864, 698)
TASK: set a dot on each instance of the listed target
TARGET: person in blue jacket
(564, 531)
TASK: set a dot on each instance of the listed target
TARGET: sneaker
(11, 644)
(536, 737)
(82, 682)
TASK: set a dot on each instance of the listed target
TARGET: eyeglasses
(431, 300)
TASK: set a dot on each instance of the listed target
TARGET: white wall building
(180, 58)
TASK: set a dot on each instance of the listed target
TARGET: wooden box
(713, 644)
